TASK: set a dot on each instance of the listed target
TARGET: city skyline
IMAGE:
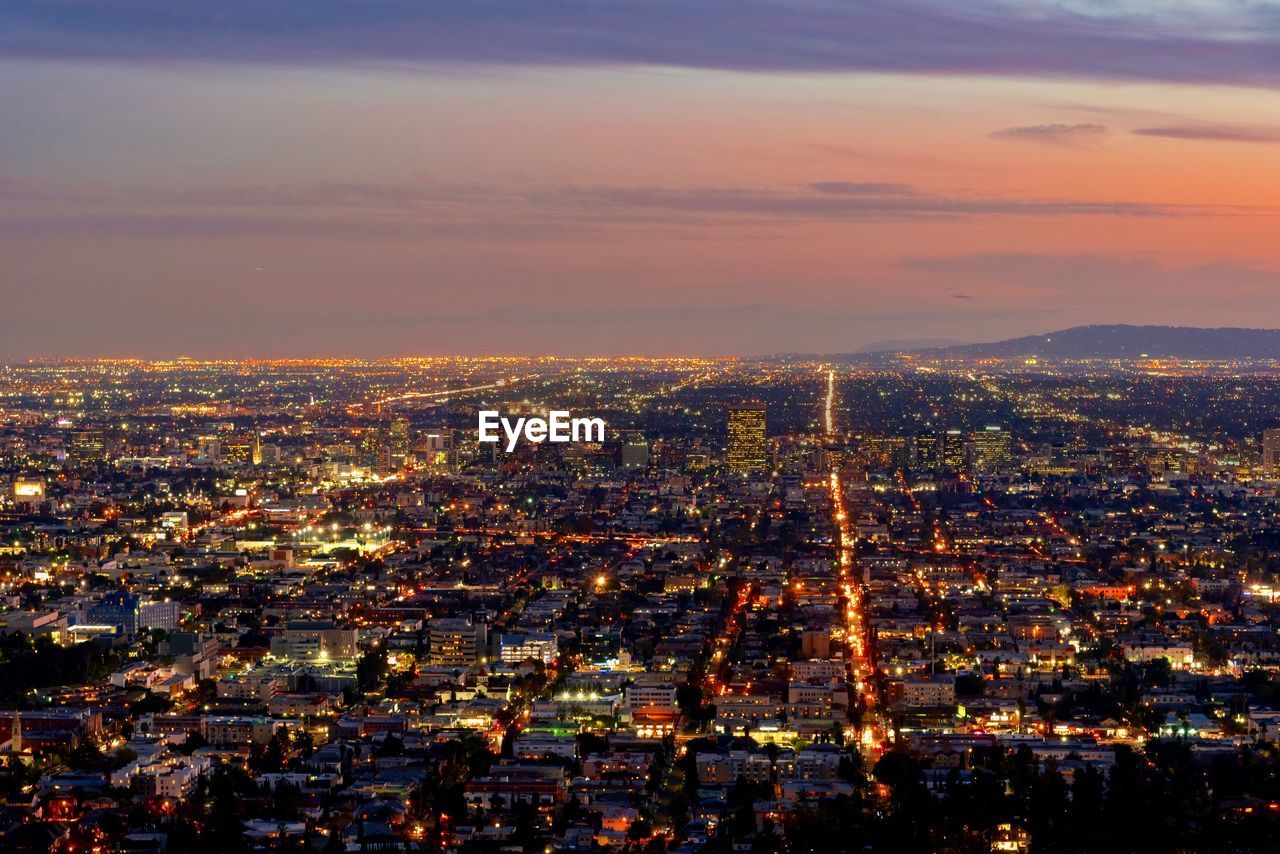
(381, 181)
(981, 605)
(639, 426)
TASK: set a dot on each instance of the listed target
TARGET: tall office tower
(238, 450)
(634, 453)
(255, 455)
(928, 452)
(437, 450)
(210, 449)
(88, 445)
(885, 451)
(1271, 449)
(371, 449)
(1123, 459)
(992, 448)
(747, 443)
(953, 450)
(400, 437)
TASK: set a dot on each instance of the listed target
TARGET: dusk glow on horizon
(366, 179)
(639, 426)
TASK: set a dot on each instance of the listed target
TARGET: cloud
(178, 224)
(854, 188)
(1212, 41)
(1214, 132)
(1056, 133)
(420, 209)
(410, 194)
(827, 200)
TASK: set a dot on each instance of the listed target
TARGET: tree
(371, 669)
(689, 699)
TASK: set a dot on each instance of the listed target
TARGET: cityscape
(639, 426)
(929, 604)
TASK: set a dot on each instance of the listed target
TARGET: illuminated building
(209, 449)
(992, 448)
(436, 450)
(953, 450)
(118, 609)
(885, 451)
(400, 437)
(27, 492)
(370, 449)
(647, 695)
(1123, 459)
(88, 445)
(242, 451)
(747, 447)
(1271, 450)
(303, 639)
(928, 451)
(456, 641)
(162, 614)
(541, 646)
(635, 451)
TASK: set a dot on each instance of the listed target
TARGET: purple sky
(583, 177)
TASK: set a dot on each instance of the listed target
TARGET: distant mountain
(907, 345)
(1125, 342)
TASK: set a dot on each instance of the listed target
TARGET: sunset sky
(585, 177)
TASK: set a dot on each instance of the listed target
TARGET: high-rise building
(210, 449)
(372, 450)
(1271, 449)
(400, 437)
(748, 448)
(928, 452)
(240, 450)
(1123, 459)
(634, 453)
(88, 445)
(953, 450)
(884, 451)
(992, 448)
(437, 449)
